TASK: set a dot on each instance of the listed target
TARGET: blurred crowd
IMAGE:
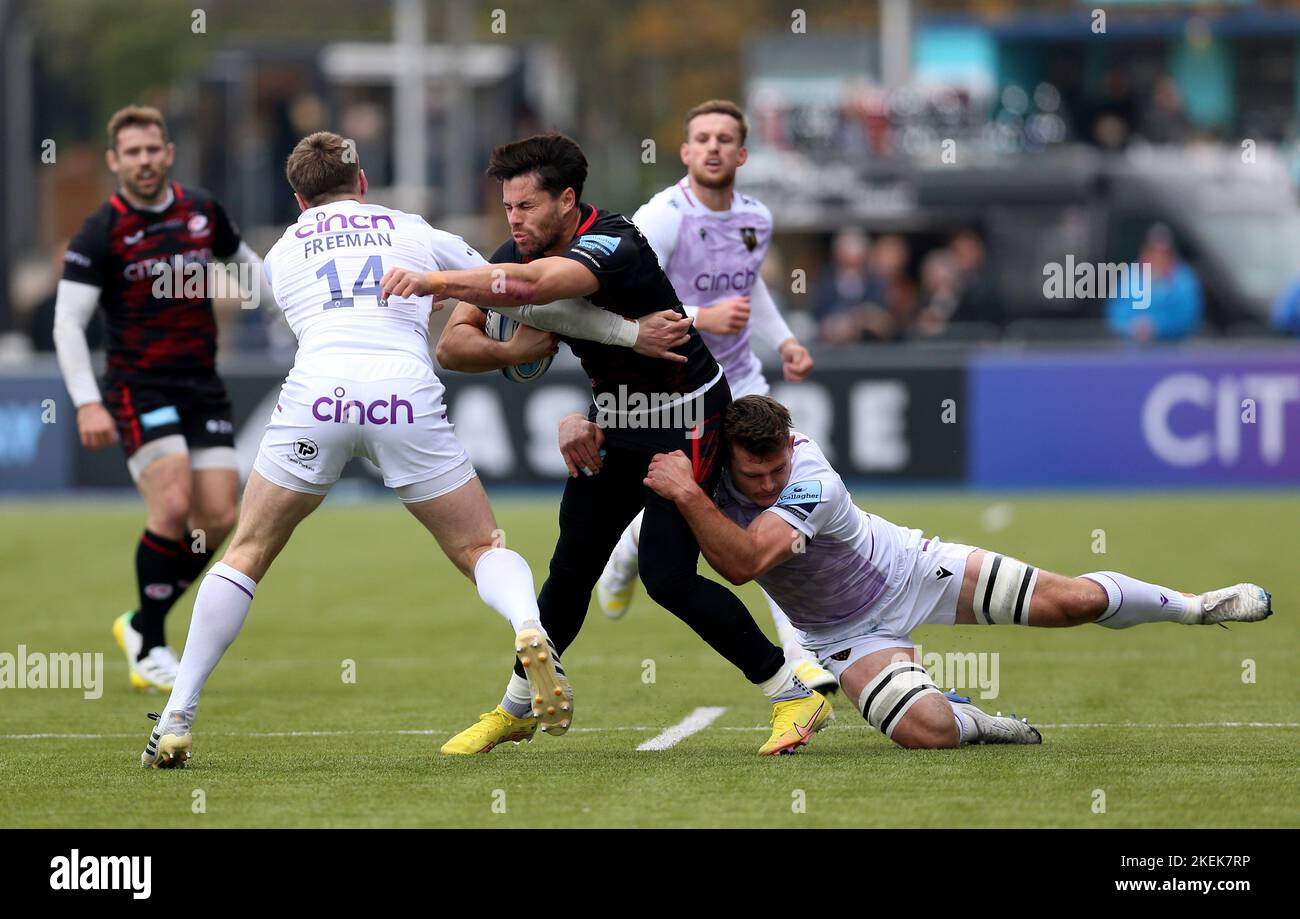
(867, 293)
(872, 121)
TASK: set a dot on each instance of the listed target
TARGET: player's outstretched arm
(499, 285)
(556, 284)
(466, 347)
(739, 555)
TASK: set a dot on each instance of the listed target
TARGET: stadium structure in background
(937, 157)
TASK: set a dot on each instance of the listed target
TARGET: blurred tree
(106, 55)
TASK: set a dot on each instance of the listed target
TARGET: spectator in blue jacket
(1172, 308)
(1286, 310)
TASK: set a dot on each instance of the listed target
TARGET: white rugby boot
(1239, 603)
(997, 728)
(170, 744)
(156, 671)
(616, 587)
(617, 584)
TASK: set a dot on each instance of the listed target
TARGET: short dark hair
(758, 424)
(135, 116)
(557, 161)
(719, 107)
(321, 165)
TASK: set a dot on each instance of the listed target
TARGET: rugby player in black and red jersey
(563, 248)
(161, 398)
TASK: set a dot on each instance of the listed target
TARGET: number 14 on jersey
(372, 270)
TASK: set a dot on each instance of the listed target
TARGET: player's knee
(1080, 600)
(215, 524)
(172, 508)
(931, 728)
(903, 703)
(665, 585)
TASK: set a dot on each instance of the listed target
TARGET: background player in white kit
(363, 384)
(711, 241)
(858, 585)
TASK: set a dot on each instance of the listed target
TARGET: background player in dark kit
(162, 398)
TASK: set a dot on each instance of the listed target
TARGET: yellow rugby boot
(492, 728)
(795, 722)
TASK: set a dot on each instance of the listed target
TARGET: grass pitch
(1155, 723)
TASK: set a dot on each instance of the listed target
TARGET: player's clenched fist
(671, 476)
(796, 362)
(95, 425)
(580, 442)
(407, 282)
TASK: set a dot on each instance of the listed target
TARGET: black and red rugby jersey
(118, 250)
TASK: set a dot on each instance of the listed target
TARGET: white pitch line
(709, 714)
(693, 723)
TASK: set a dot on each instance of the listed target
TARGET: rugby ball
(501, 328)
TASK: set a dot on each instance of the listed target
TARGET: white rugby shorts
(925, 594)
(396, 419)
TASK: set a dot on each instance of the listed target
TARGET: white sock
(625, 560)
(518, 699)
(787, 633)
(965, 723)
(220, 608)
(1132, 602)
(784, 685)
(505, 582)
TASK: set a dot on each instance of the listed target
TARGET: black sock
(193, 564)
(159, 563)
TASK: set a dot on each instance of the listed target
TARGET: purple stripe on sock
(1113, 612)
(236, 583)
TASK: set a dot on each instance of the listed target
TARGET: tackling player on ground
(562, 247)
(857, 585)
(162, 398)
(363, 384)
(711, 241)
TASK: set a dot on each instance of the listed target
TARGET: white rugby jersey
(325, 272)
(850, 557)
(714, 255)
